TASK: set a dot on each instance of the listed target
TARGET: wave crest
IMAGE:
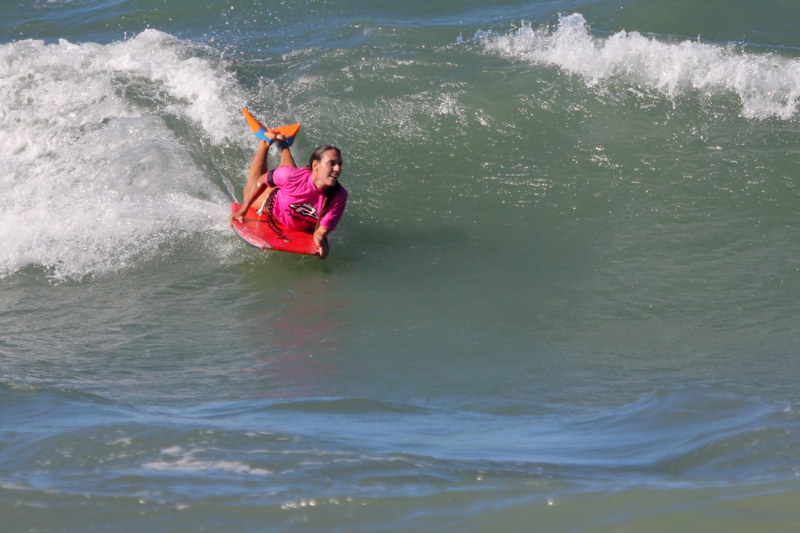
(99, 143)
(766, 84)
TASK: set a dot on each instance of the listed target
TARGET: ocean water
(565, 294)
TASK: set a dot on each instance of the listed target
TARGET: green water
(563, 296)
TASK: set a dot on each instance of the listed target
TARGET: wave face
(564, 291)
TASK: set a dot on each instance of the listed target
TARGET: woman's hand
(321, 241)
(238, 217)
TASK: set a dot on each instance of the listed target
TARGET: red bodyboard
(255, 231)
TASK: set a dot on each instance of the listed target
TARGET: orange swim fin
(289, 131)
(259, 129)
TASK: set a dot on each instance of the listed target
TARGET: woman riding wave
(308, 199)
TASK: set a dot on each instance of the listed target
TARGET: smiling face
(325, 171)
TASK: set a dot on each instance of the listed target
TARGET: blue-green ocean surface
(565, 294)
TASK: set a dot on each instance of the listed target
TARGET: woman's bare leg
(257, 168)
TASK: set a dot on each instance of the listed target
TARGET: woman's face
(326, 170)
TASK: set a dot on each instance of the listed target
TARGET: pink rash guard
(298, 201)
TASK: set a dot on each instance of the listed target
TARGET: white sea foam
(187, 461)
(767, 85)
(190, 464)
(95, 173)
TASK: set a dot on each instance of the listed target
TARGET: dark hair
(316, 155)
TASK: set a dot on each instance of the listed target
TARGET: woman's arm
(254, 193)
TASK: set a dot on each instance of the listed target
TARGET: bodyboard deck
(255, 231)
